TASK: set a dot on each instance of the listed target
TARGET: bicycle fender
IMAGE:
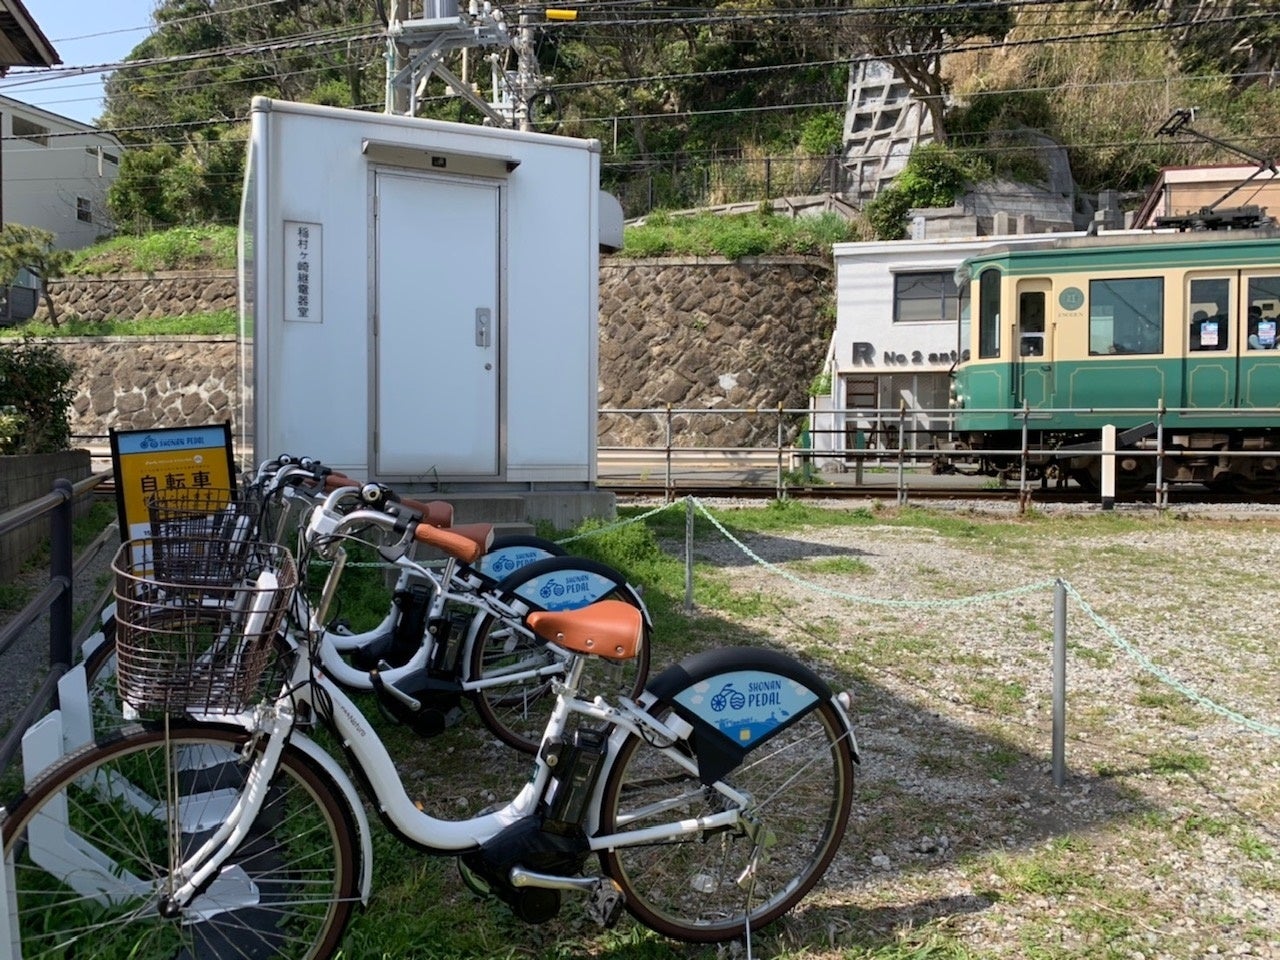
(513, 552)
(317, 755)
(566, 583)
(737, 699)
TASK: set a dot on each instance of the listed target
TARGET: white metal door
(436, 379)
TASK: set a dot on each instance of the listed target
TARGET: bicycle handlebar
(467, 544)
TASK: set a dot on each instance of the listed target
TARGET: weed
(1170, 762)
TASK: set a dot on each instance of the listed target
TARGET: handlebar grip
(438, 513)
(468, 549)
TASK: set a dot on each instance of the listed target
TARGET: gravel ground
(1164, 841)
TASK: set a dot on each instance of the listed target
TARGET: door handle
(483, 326)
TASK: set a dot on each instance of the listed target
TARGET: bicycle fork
(199, 871)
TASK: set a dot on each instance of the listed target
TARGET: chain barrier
(595, 532)
(1164, 677)
(1137, 656)
(873, 601)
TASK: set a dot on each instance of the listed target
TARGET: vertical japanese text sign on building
(150, 463)
(302, 265)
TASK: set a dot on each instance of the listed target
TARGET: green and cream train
(1076, 333)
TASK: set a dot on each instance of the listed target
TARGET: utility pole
(417, 46)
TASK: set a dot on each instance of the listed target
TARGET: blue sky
(85, 33)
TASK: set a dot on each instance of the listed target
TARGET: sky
(84, 33)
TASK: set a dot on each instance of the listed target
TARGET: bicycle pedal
(604, 902)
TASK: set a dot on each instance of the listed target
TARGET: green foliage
(30, 247)
(933, 177)
(35, 383)
(211, 247)
(216, 324)
(738, 235)
(822, 133)
(161, 185)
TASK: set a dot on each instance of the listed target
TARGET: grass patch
(182, 248)
(216, 323)
(837, 566)
(737, 235)
(1172, 762)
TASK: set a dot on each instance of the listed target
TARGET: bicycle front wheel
(706, 887)
(88, 853)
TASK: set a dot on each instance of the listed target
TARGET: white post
(1109, 467)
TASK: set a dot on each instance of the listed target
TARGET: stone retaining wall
(135, 383)
(710, 333)
(131, 296)
(705, 333)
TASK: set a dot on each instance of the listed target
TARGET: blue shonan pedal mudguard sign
(737, 699)
(566, 583)
(514, 552)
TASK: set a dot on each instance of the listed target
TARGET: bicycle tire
(518, 712)
(801, 784)
(287, 892)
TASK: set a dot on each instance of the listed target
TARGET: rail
(56, 599)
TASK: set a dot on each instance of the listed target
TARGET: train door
(1258, 358)
(1212, 343)
(1033, 366)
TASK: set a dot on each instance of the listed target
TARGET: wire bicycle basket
(208, 512)
(202, 641)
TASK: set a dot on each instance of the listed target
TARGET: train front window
(989, 314)
(1207, 310)
(1126, 316)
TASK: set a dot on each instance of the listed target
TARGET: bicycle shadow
(932, 794)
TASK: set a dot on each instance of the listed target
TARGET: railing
(56, 599)
(787, 445)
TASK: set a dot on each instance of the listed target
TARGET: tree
(30, 247)
(182, 118)
(36, 395)
(914, 36)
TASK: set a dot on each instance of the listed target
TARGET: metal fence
(686, 182)
(55, 600)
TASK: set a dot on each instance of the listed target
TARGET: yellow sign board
(151, 463)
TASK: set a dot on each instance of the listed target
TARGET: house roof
(22, 43)
(1185, 179)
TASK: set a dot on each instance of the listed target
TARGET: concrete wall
(26, 478)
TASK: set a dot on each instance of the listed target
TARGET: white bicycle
(223, 830)
(452, 632)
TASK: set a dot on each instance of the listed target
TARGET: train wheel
(1128, 484)
(1262, 489)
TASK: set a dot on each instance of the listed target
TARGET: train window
(1126, 316)
(989, 314)
(924, 296)
(1263, 312)
(1208, 329)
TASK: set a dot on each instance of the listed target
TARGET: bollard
(1109, 467)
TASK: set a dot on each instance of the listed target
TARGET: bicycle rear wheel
(706, 887)
(518, 711)
(88, 852)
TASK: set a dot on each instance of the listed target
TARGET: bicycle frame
(327, 699)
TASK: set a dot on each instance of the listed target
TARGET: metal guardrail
(900, 439)
(55, 599)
